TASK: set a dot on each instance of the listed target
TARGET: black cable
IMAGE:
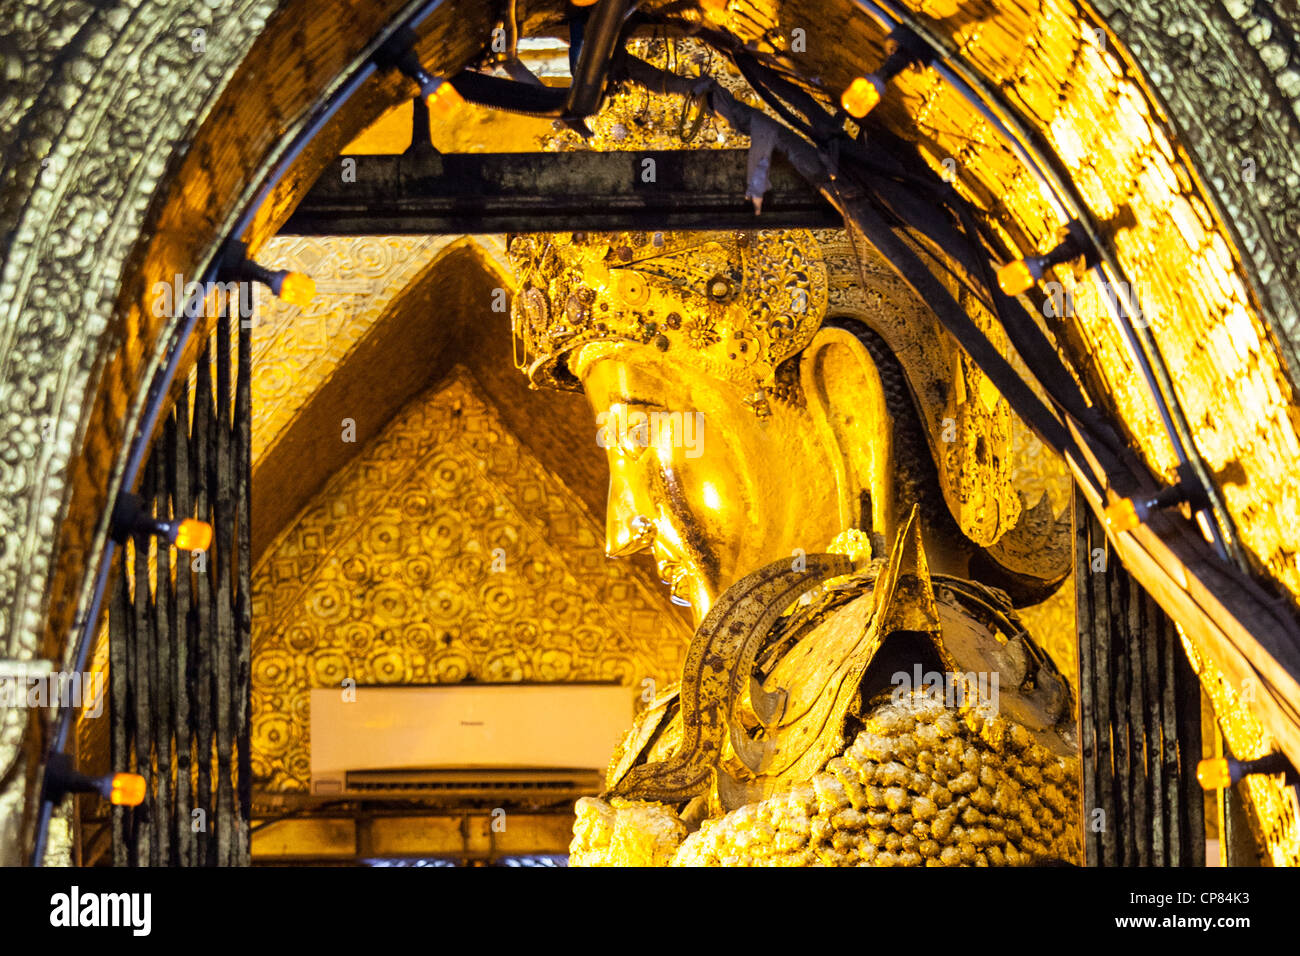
(783, 111)
(912, 270)
(510, 96)
(802, 125)
(1041, 356)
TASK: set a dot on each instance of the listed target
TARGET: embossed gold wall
(388, 577)
(296, 350)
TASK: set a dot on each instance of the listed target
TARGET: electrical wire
(1069, 206)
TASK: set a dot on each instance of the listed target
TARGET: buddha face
(697, 478)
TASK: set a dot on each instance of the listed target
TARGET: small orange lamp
(1219, 773)
(1214, 773)
(862, 95)
(440, 96)
(1017, 277)
(1020, 275)
(296, 288)
(126, 790)
(193, 535)
(1125, 514)
(865, 92)
(131, 518)
(62, 778)
(292, 287)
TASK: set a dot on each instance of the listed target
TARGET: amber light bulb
(297, 289)
(1122, 515)
(1214, 774)
(193, 535)
(585, 3)
(443, 99)
(1016, 277)
(862, 96)
(127, 790)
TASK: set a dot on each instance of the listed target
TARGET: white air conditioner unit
(532, 741)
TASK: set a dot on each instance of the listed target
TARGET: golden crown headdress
(736, 304)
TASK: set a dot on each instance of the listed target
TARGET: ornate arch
(141, 131)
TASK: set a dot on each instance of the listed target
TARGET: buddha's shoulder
(976, 651)
(958, 640)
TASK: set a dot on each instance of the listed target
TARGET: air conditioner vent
(466, 740)
(460, 782)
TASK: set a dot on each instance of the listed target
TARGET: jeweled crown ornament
(734, 304)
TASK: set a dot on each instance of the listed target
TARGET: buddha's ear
(846, 402)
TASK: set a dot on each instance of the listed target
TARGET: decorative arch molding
(133, 152)
(1228, 75)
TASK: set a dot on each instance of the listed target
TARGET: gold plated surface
(801, 444)
(297, 350)
(919, 786)
(99, 211)
(443, 552)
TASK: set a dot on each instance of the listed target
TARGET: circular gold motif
(632, 289)
(272, 734)
(331, 668)
(452, 668)
(389, 667)
(274, 668)
(328, 603)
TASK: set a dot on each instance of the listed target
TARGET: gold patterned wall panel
(295, 351)
(388, 577)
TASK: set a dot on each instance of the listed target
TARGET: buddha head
(740, 425)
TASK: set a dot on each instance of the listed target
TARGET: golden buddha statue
(852, 695)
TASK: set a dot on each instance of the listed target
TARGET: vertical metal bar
(1121, 729)
(133, 760)
(1084, 626)
(179, 467)
(1155, 796)
(150, 645)
(223, 537)
(1169, 736)
(143, 618)
(1189, 754)
(1137, 755)
(243, 607)
(1238, 841)
(202, 686)
(1104, 660)
(119, 703)
(162, 633)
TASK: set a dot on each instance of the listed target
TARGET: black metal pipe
(599, 41)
